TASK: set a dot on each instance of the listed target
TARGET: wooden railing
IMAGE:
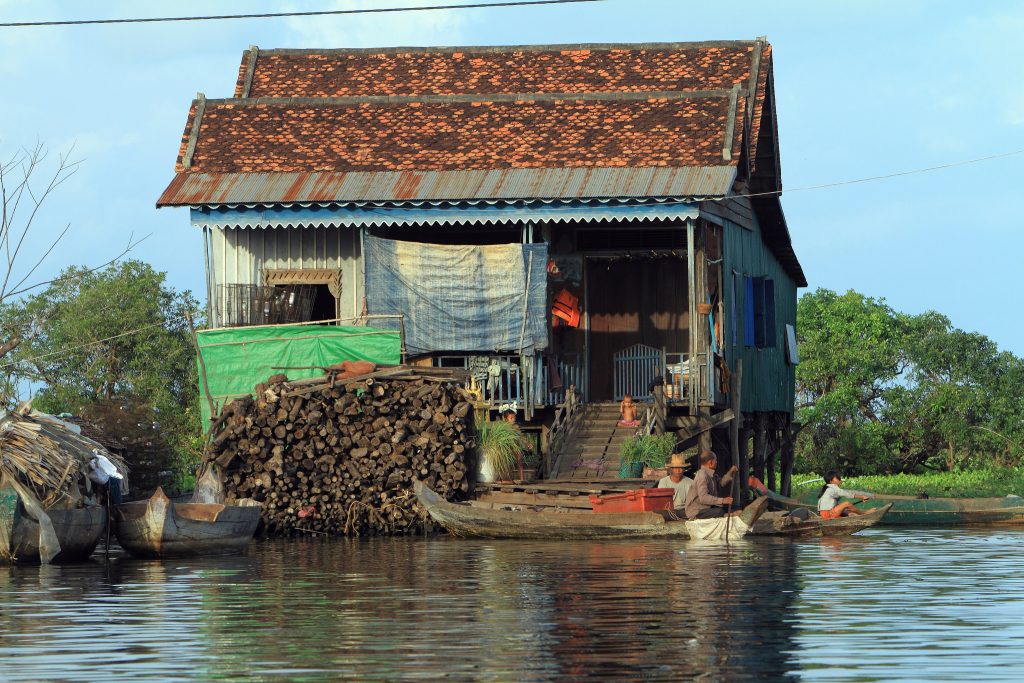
(646, 423)
(570, 372)
(637, 365)
(566, 420)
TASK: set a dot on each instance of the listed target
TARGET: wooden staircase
(592, 450)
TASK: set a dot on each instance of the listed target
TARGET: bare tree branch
(65, 169)
(131, 245)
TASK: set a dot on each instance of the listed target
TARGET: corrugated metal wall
(239, 256)
(768, 379)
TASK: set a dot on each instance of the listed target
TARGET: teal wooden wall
(768, 378)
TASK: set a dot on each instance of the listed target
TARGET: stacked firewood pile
(339, 454)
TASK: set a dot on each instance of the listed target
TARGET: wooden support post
(744, 458)
(659, 409)
(769, 459)
(699, 330)
(786, 465)
(734, 431)
(760, 436)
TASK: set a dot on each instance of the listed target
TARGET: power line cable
(856, 181)
(273, 15)
(896, 174)
(94, 343)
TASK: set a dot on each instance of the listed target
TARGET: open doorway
(633, 301)
(325, 305)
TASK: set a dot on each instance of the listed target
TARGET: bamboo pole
(202, 365)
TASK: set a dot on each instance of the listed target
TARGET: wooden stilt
(744, 454)
(786, 486)
(760, 445)
(740, 487)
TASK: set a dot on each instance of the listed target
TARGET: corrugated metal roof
(349, 215)
(204, 189)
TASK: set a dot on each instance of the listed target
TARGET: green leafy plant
(501, 446)
(652, 450)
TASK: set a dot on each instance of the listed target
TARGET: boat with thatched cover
(159, 528)
(49, 509)
(476, 521)
(77, 530)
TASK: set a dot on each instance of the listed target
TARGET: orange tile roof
(679, 105)
(292, 136)
(482, 70)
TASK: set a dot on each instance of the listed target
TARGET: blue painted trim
(360, 216)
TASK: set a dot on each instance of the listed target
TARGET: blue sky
(864, 88)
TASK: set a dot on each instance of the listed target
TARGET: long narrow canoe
(474, 521)
(159, 528)
(907, 510)
(78, 531)
(782, 524)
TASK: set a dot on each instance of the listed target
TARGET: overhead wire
(274, 15)
(855, 181)
(68, 349)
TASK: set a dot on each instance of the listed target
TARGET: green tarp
(239, 358)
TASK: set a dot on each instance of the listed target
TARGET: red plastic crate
(638, 500)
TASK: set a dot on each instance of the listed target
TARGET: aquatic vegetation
(978, 483)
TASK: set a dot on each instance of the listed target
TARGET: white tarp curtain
(460, 297)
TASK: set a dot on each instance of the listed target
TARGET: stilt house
(571, 223)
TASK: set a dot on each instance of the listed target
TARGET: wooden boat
(782, 524)
(159, 528)
(908, 510)
(485, 521)
(78, 531)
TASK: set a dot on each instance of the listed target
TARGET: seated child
(627, 418)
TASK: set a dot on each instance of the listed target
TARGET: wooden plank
(537, 499)
(704, 425)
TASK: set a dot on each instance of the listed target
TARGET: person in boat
(830, 503)
(627, 412)
(676, 480)
(704, 499)
(105, 473)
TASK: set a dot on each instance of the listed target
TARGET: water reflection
(410, 609)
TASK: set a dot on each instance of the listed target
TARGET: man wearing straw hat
(676, 481)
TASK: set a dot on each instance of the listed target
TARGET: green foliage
(882, 391)
(119, 333)
(651, 450)
(501, 446)
(980, 483)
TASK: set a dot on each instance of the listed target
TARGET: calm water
(890, 604)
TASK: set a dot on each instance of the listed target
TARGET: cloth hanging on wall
(460, 297)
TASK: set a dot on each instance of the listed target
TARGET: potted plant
(501, 448)
(651, 450)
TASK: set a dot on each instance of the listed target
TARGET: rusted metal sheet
(204, 189)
